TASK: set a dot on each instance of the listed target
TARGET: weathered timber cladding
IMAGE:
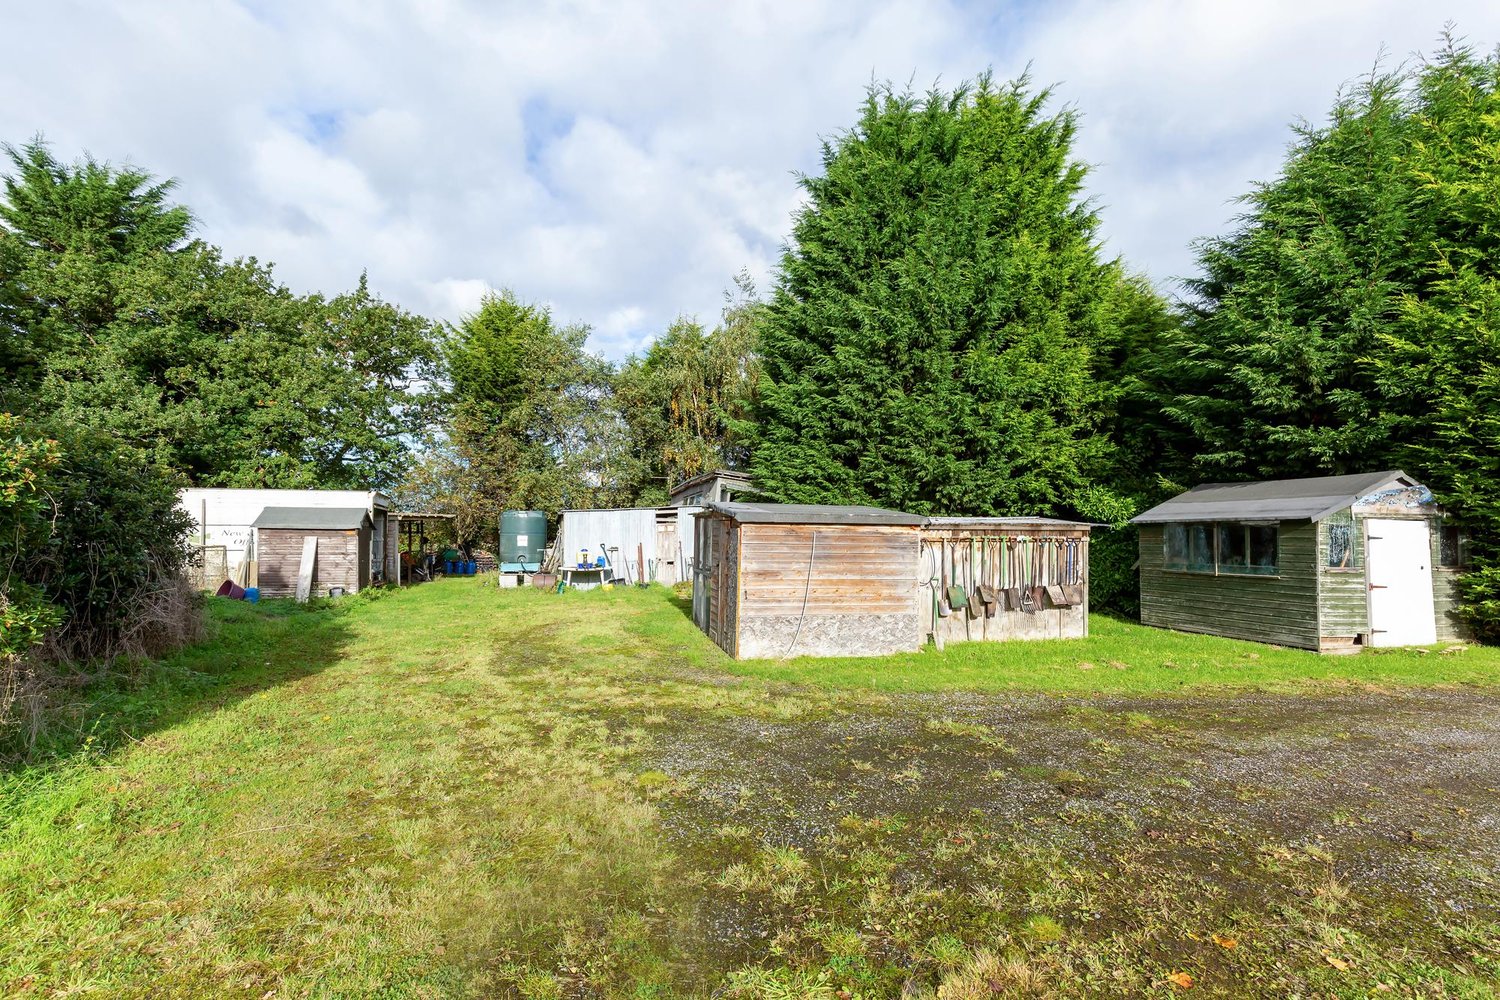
(1343, 595)
(342, 554)
(826, 590)
(1279, 609)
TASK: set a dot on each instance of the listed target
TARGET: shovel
(1073, 589)
(976, 606)
(1054, 574)
(943, 609)
(1013, 575)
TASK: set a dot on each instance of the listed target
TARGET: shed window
(1453, 547)
(1189, 547)
(1229, 547)
(1247, 549)
(1341, 551)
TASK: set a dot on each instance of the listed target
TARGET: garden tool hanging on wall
(1054, 574)
(976, 602)
(942, 593)
(1073, 578)
(1030, 593)
(989, 593)
(1013, 574)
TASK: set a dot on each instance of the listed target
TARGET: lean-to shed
(1330, 563)
(775, 580)
(999, 578)
(343, 548)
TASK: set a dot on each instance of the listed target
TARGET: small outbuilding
(718, 486)
(1332, 563)
(341, 559)
(224, 533)
(775, 580)
(651, 544)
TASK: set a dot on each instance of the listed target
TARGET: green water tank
(523, 536)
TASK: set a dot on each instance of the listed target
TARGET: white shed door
(1399, 565)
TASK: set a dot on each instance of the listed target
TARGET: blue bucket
(252, 594)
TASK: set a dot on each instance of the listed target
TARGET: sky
(622, 161)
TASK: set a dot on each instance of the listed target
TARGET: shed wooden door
(1398, 567)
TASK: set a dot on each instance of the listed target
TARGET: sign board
(305, 571)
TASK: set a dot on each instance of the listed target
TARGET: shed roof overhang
(1272, 500)
(312, 518)
(808, 513)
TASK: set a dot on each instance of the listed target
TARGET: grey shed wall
(1278, 609)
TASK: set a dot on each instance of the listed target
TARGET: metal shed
(775, 580)
(1331, 563)
(342, 557)
(651, 543)
(1002, 578)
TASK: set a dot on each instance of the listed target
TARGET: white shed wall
(624, 529)
(224, 517)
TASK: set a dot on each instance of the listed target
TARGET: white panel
(230, 512)
(620, 530)
(1398, 561)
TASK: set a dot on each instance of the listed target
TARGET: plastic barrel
(448, 566)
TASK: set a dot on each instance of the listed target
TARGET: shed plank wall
(1343, 593)
(827, 590)
(1281, 609)
(340, 554)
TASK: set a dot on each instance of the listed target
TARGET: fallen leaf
(1226, 943)
(1337, 963)
(1181, 980)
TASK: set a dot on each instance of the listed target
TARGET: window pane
(1174, 544)
(1340, 530)
(1188, 547)
(1453, 547)
(1200, 547)
(1234, 557)
(1263, 548)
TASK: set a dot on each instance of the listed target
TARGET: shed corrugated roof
(1272, 500)
(1006, 522)
(312, 518)
(812, 513)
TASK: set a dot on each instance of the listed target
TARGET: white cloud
(621, 161)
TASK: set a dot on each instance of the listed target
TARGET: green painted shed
(1332, 563)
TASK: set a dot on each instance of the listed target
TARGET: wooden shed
(775, 580)
(1001, 578)
(1332, 563)
(342, 558)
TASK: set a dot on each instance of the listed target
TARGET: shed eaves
(808, 513)
(312, 518)
(1272, 500)
(1007, 522)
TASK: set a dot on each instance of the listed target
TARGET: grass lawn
(461, 791)
(1127, 657)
